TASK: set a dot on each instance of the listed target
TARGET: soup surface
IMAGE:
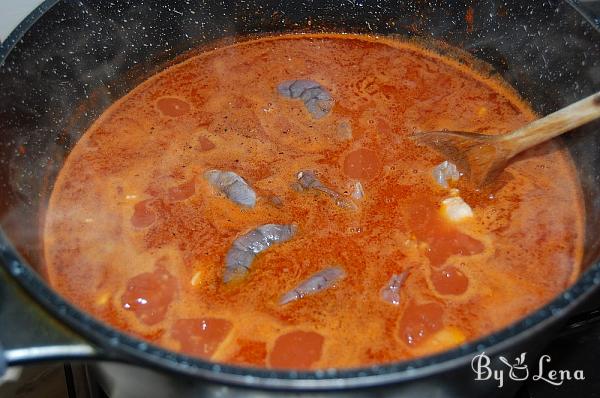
(332, 245)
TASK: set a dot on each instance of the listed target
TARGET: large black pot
(68, 61)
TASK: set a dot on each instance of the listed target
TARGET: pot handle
(29, 334)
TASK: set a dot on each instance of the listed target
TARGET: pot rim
(121, 346)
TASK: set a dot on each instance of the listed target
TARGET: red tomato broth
(132, 220)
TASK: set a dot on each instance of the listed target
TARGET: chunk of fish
(233, 186)
(390, 293)
(444, 172)
(308, 180)
(316, 283)
(455, 209)
(244, 249)
(317, 99)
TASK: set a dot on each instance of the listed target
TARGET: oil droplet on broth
(449, 280)
(362, 164)
(173, 107)
(296, 350)
(200, 337)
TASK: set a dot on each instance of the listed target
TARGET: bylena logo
(519, 371)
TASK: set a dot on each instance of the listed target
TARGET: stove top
(577, 347)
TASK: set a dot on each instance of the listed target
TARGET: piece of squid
(358, 192)
(244, 249)
(314, 284)
(233, 186)
(317, 99)
(444, 172)
(308, 180)
(390, 293)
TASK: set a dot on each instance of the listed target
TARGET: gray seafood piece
(317, 282)
(233, 186)
(316, 98)
(390, 293)
(244, 249)
(308, 180)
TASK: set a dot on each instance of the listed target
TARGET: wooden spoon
(482, 157)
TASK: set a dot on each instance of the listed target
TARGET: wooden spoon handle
(556, 123)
